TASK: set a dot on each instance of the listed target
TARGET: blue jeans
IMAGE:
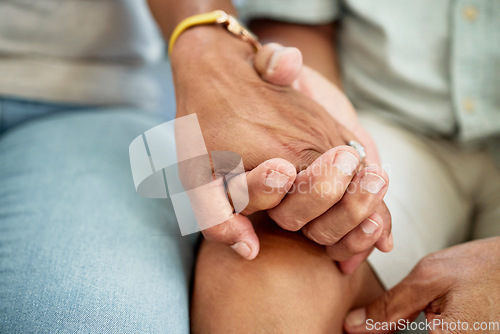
(80, 251)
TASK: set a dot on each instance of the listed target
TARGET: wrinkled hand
(239, 112)
(214, 77)
(458, 285)
(283, 66)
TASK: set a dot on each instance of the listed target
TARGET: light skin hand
(460, 283)
(362, 220)
(316, 43)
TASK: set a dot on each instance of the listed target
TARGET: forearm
(315, 42)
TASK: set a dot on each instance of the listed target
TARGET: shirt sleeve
(296, 11)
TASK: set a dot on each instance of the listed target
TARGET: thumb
(277, 64)
(237, 232)
(389, 313)
(264, 187)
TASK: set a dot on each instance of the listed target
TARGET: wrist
(208, 44)
(169, 13)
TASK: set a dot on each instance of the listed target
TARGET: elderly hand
(457, 288)
(347, 227)
(239, 112)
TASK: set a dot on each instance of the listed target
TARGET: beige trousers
(439, 195)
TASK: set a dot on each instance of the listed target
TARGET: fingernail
(372, 182)
(346, 162)
(356, 318)
(242, 249)
(275, 59)
(276, 179)
(369, 226)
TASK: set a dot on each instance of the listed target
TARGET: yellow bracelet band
(216, 17)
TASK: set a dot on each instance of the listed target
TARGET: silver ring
(358, 147)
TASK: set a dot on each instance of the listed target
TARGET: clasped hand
(283, 118)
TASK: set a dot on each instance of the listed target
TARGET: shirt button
(468, 105)
(470, 13)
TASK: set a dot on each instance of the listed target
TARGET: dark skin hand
(260, 120)
(239, 112)
(215, 78)
(458, 284)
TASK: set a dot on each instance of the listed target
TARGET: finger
(364, 195)
(349, 266)
(277, 64)
(238, 233)
(405, 301)
(266, 184)
(317, 188)
(215, 219)
(361, 239)
(385, 242)
(395, 302)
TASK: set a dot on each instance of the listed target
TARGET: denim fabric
(80, 251)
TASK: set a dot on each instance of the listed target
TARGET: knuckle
(357, 211)
(432, 273)
(290, 225)
(385, 304)
(428, 267)
(285, 222)
(215, 233)
(300, 153)
(271, 202)
(355, 247)
(322, 236)
(264, 202)
(329, 193)
(225, 232)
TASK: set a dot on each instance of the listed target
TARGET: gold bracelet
(216, 17)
